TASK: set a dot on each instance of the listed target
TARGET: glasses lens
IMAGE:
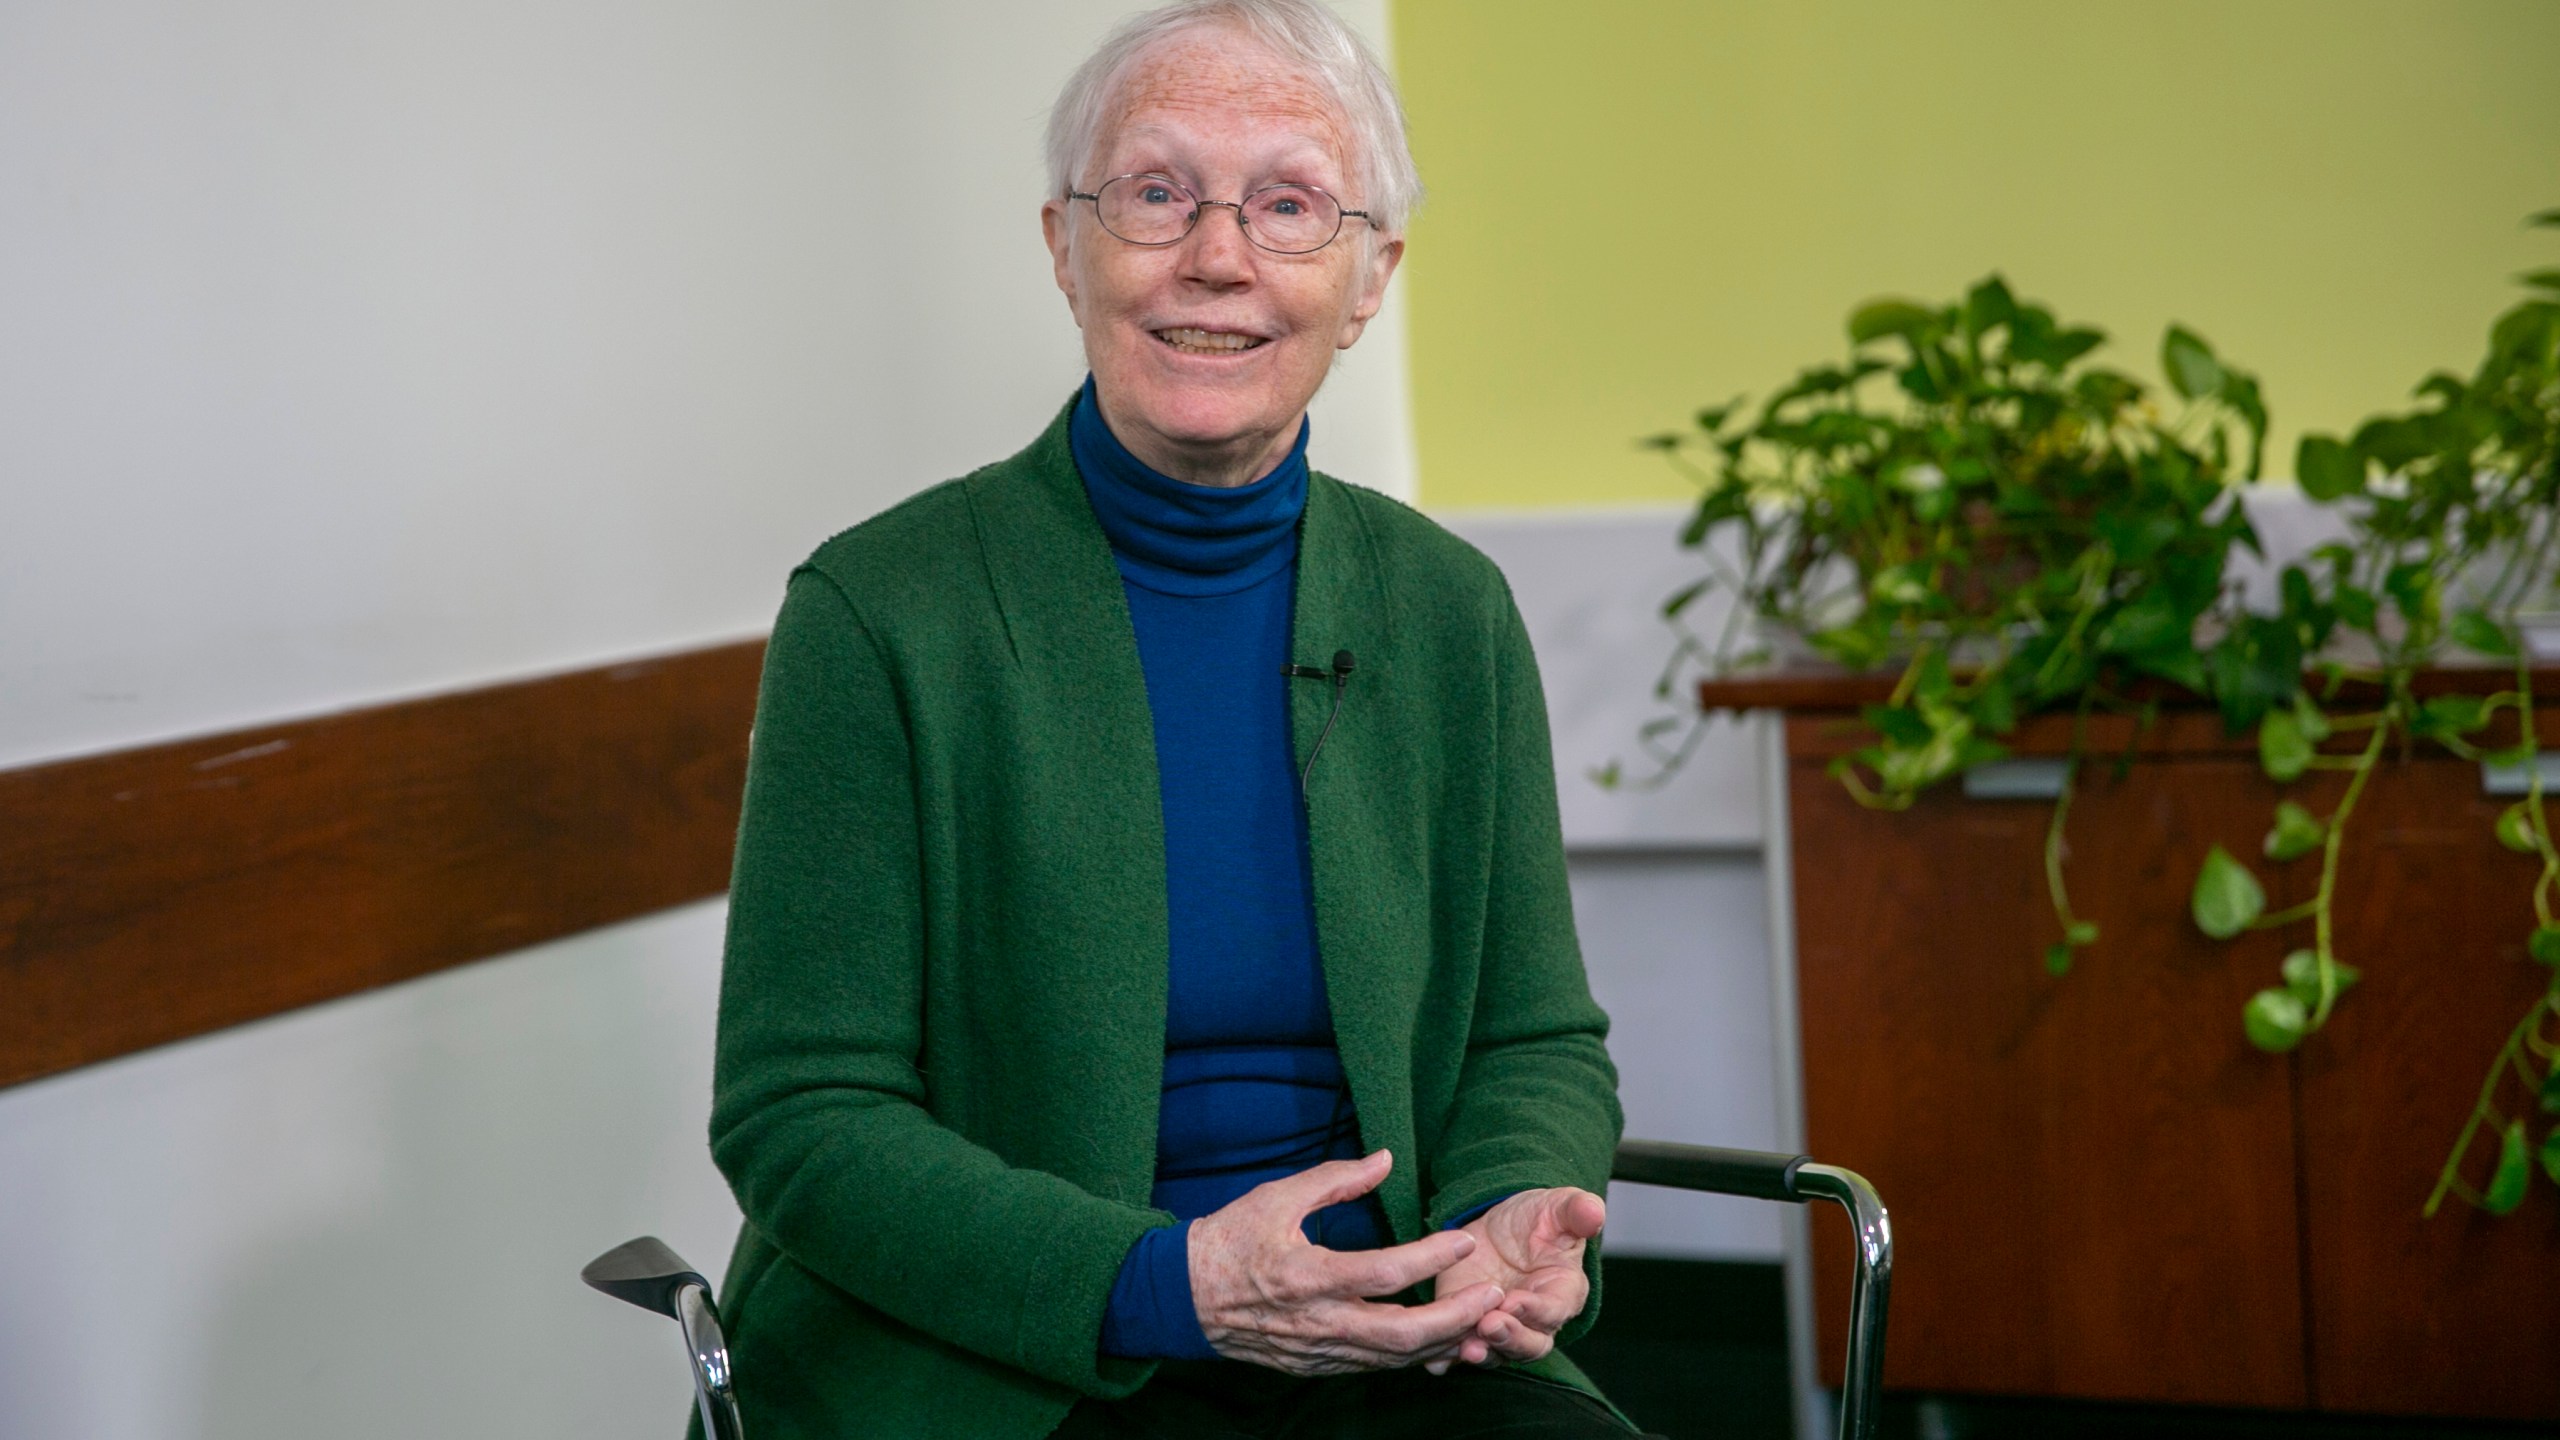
(1146, 209)
(1291, 218)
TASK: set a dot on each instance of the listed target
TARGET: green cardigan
(942, 1010)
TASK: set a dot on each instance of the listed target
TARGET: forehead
(1220, 89)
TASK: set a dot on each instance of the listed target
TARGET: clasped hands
(1503, 1284)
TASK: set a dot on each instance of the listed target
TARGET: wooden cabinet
(2099, 1189)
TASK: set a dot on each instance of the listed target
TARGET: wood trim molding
(154, 894)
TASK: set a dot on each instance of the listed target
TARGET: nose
(1216, 252)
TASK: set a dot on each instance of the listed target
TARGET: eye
(1289, 205)
(1153, 193)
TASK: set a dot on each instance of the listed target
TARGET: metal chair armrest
(652, 1276)
(1797, 1179)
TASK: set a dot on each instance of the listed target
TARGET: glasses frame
(1342, 212)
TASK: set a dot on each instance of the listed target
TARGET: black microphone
(1340, 675)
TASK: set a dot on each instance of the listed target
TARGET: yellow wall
(1637, 208)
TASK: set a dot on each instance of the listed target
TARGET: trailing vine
(1966, 496)
(2018, 532)
(2453, 512)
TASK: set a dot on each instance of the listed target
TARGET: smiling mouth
(1208, 342)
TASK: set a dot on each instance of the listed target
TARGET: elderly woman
(1151, 1003)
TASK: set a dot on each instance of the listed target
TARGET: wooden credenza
(2099, 1189)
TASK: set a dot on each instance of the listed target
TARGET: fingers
(1384, 1272)
(1406, 1333)
(1330, 1183)
(1548, 1299)
(1579, 1213)
(1509, 1338)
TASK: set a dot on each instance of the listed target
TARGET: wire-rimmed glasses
(1156, 210)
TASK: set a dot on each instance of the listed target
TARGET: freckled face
(1205, 352)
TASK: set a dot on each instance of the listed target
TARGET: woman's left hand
(1531, 1246)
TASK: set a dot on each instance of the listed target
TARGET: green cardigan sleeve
(820, 1114)
(1537, 1096)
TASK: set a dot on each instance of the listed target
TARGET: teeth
(1208, 342)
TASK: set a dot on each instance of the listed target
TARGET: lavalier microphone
(1340, 675)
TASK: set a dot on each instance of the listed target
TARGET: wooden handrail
(154, 894)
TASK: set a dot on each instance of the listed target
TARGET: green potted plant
(1969, 498)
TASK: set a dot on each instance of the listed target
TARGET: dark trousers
(1226, 1400)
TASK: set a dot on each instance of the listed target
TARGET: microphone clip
(1340, 675)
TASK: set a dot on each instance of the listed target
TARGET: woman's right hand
(1268, 1295)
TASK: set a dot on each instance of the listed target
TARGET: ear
(1377, 268)
(1055, 218)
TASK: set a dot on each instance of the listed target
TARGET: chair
(651, 1276)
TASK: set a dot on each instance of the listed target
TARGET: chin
(1207, 415)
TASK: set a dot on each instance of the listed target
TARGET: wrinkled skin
(1503, 1284)
(1218, 113)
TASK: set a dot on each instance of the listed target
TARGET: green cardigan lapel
(1067, 616)
(1085, 774)
(1342, 605)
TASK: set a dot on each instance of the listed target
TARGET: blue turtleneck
(1253, 1087)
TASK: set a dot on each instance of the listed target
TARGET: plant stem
(2482, 1112)
(2062, 814)
(2286, 916)
(2325, 908)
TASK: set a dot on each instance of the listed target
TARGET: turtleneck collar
(1180, 538)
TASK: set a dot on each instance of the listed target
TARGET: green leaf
(2551, 1090)
(2302, 975)
(2541, 279)
(2515, 1167)
(2284, 752)
(2189, 363)
(2257, 664)
(2551, 1156)
(1680, 598)
(2515, 828)
(2275, 1020)
(2183, 667)
(1901, 584)
(1994, 708)
(1879, 318)
(2452, 715)
(2474, 630)
(2227, 897)
(2308, 715)
(2412, 587)
(1988, 306)
(2545, 944)
(2082, 932)
(1898, 724)
(2153, 622)
(2327, 469)
(2297, 833)
(2547, 217)
(2057, 958)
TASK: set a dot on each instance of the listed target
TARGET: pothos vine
(2025, 530)
(2027, 533)
(2454, 535)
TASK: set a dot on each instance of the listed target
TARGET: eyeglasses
(1283, 219)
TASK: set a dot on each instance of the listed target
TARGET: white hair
(1302, 32)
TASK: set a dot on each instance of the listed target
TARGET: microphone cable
(1340, 675)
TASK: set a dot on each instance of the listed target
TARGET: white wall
(1667, 882)
(350, 351)
(353, 349)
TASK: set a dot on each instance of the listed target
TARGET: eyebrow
(1297, 140)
